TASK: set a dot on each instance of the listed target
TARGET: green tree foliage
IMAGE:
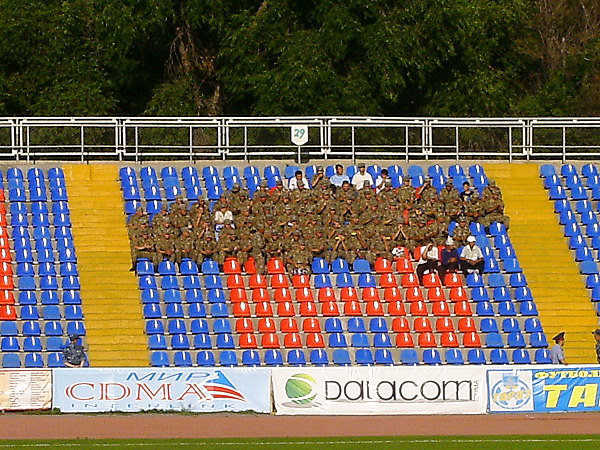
(299, 57)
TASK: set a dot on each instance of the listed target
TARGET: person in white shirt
(429, 260)
(359, 178)
(471, 257)
(381, 179)
(297, 180)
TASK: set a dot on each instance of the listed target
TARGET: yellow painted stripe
(111, 302)
(552, 273)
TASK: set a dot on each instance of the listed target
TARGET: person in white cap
(471, 257)
(449, 260)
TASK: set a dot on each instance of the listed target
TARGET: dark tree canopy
(300, 57)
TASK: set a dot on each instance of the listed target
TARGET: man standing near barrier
(557, 354)
(596, 334)
(74, 354)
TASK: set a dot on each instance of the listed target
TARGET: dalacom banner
(172, 389)
(379, 390)
(25, 389)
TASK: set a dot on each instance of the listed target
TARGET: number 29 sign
(299, 134)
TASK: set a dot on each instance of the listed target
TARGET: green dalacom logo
(301, 389)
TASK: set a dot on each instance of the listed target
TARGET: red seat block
(311, 325)
(444, 324)
(370, 294)
(330, 309)
(7, 298)
(431, 280)
(436, 294)
(458, 294)
(288, 325)
(292, 340)
(264, 309)
(241, 309)
(414, 294)
(327, 295)
(388, 280)
(471, 340)
(427, 340)
(304, 295)
(315, 340)
(404, 265)
(396, 308)
(235, 281)
(269, 340)
(352, 309)
(282, 295)
(238, 295)
(8, 312)
(374, 308)
(392, 294)
(247, 340)
(250, 266)
(308, 309)
(301, 281)
(260, 295)
(422, 324)
(280, 281)
(440, 309)
(266, 325)
(409, 280)
(462, 309)
(400, 325)
(348, 294)
(383, 265)
(244, 326)
(404, 340)
(449, 339)
(418, 309)
(5, 255)
(466, 324)
(6, 282)
(453, 280)
(275, 266)
(285, 309)
(257, 281)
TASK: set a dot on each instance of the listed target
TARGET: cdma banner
(379, 390)
(545, 389)
(194, 389)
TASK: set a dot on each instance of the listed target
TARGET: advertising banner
(25, 389)
(379, 390)
(510, 390)
(172, 389)
(566, 388)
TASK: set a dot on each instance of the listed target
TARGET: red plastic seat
(466, 324)
(352, 309)
(8, 312)
(409, 280)
(285, 309)
(400, 325)
(269, 340)
(289, 325)
(417, 253)
(370, 294)
(348, 294)
(449, 339)
(436, 294)
(257, 281)
(396, 308)
(275, 266)
(422, 324)
(6, 282)
(292, 340)
(388, 280)
(3, 220)
(444, 324)
(241, 309)
(308, 309)
(404, 265)
(280, 281)
(260, 295)
(311, 325)
(301, 281)
(7, 298)
(404, 340)
(392, 294)
(462, 309)
(282, 295)
(266, 325)
(471, 340)
(431, 280)
(315, 340)
(264, 309)
(330, 309)
(458, 294)
(327, 295)
(453, 280)
(418, 309)
(4, 242)
(427, 340)
(2, 195)
(238, 295)
(414, 294)
(250, 266)
(5, 255)
(235, 281)
(374, 308)
(244, 326)
(383, 265)
(247, 340)
(5, 268)
(304, 295)
(232, 266)
(440, 309)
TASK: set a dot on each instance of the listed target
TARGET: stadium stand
(360, 308)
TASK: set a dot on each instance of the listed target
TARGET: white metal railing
(189, 138)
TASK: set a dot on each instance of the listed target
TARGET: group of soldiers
(324, 221)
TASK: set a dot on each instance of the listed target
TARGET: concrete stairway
(553, 276)
(110, 296)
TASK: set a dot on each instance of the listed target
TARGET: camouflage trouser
(259, 262)
(491, 218)
(180, 255)
(137, 254)
(370, 256)
(242, 257)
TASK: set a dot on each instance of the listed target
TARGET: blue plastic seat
(507, 309)
(68, 270)
(213, 282)
(498, 356)
(296, 357)
(523, 294)
(221, 326)
(70, 283)
(454, 356)
(476, 356)
(199, 326)
(176, 326)
(10, 344)
(147, 282)
(488, 325)
(480, 294)
(31, 344)
(516, 340)
(251, 358)
(180, 342)
(174, 311)
(382, 340)
(340, 265)
(188, 267)
(32, 328)
(588, 268)
(322, 281)
(29, 312)
(76, 327)
(167, 268)
(474, 280)
(360, 340)
(538, 340)
(30, 298)
(228, 358)
(182, 359)
(364, 357)
(511, 325)
(384, 357)
(210, 267)
(366, 280)
(26, 283)
(154, 327)
(172, 296)
(378, 325)
(533, 325)
(196, 310)
(34, 361)
(528, 308)
(157, 342)
(542, 356)
(320, 266)
(341, 357)
(194, 296)
(431, 356)
(344, 280)
(337, 340)
(496, 280)
(501, 294)
(318, 357)
(273, 358)
(169, 282)
(356, 325)
(202, 341)
(511, 265)
(361, 266)
(333, 325)
(11, 361)
(494, 340)
(484, 309)
(51, 313)
(219, 310)
(148, 296)
(409, 357)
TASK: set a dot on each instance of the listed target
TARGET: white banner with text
(24, 389)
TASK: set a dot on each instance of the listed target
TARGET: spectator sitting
(74, 353)
(428, 261)
(449, 259)
(359, 178)
(471, 257)
(467, 192)
(223, 214)
(381, 180)
(298, 180)
(338, 179)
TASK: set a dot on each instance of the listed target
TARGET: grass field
(446, 442)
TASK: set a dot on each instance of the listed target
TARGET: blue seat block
(341, 357)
